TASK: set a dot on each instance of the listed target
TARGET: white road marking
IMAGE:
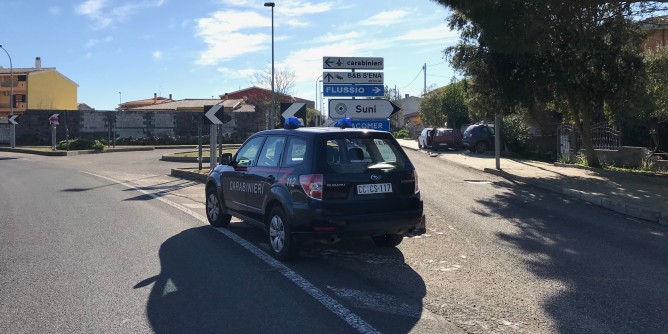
(378, 302)
(194, 205)
(335, 307)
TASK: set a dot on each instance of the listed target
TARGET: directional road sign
(353, 90)
(362, 109)
(353, 63)
(53, 119)
(372, 124)
(216, 115)
(13, 119)
(352, 77)
(293, 110)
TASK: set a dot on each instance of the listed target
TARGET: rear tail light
(312, 185)
(415, 176)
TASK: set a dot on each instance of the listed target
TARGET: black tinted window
(352, 155)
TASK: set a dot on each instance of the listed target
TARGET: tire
(283, 247)
(481, 147)
(387, 240)
(214, 209)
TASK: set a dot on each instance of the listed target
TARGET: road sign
(216, 115)
(353, 90)
(53, 119)
(372, 124)
(293, 110)
(353, 63)
(13, 119)
(362, 109)
(352, 77)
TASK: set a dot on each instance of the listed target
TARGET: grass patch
(205, 153)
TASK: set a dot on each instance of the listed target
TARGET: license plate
(377, 188)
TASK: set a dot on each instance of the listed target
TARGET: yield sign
(216, 115)
(12, 119)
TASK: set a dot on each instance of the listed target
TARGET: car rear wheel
(481, 147)
(214, 209)
(283, 248)
(387, 240)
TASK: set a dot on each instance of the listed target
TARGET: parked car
(479, 138)
(302, 184)
(440, 138)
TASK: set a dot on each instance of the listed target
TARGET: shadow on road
(612, 272)
(209, 284)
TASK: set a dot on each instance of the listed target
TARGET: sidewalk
(640, 196)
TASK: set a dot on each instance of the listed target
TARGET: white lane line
(378, 302)
(335, 307)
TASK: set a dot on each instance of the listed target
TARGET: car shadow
(611, 273)
(208, 283)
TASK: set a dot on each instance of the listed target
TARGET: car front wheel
(283, 248)
(214, 209)
(387, 240)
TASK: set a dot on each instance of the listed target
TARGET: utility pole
(424, 69)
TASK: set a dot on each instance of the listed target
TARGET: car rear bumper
(313, 224)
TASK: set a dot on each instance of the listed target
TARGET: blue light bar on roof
(344, 123)
(292, 123)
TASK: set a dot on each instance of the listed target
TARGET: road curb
(650, 215)
(189, 175)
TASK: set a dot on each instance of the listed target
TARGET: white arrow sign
(292, 110)
(211, 114)
(352, 77)
(362, 109)
(12, 119)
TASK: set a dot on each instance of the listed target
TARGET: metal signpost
(362, 109)
(214, 115)
(353, 77)
(353, 90)
(353, 63)
(53, 121)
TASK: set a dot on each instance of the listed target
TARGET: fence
(603, 137)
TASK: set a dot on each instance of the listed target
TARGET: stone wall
(34, 128)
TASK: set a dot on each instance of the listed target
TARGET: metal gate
(603, 138)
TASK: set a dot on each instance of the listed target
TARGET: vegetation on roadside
(205, 153)
(81, 144)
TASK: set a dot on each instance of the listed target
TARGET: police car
(310, 183)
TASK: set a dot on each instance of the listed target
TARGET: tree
(656, 63)
(431, 108)
(583, 57)
(454, 106)
(284, 80)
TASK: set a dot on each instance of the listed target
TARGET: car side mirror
(226, 159)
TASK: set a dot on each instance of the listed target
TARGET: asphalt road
(111, 243)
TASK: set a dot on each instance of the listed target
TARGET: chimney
(406, 95)
(38, 63)
(225, 98)
(170, 96)
(155, 98)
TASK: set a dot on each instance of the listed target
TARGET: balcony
(7, 86)
(19, 106)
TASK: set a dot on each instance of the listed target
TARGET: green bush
(402, 134)
(515, 133)
(80, 144)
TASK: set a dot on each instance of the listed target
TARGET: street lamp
(12, 129)
(271, 4)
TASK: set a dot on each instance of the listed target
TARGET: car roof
(319, 130)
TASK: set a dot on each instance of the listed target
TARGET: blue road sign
(372, 124)
(353, 90)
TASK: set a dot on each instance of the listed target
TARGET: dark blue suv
(478, 138)
(304, 184)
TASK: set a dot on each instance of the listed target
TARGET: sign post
(362, 109)
(53, 120)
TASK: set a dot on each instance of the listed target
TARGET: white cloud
(440, 33)
(386, 18)
(157, 55)
(237, 74)
(236, 2)
(224, 36)
(339, 37)
(93, 42)
(104, 15)
(297, 23)
(299, 8)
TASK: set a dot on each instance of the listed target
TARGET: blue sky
(205, 48)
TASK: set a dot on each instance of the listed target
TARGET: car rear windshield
(360, 155)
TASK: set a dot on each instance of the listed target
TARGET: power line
(438, 63)
(416, 76)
